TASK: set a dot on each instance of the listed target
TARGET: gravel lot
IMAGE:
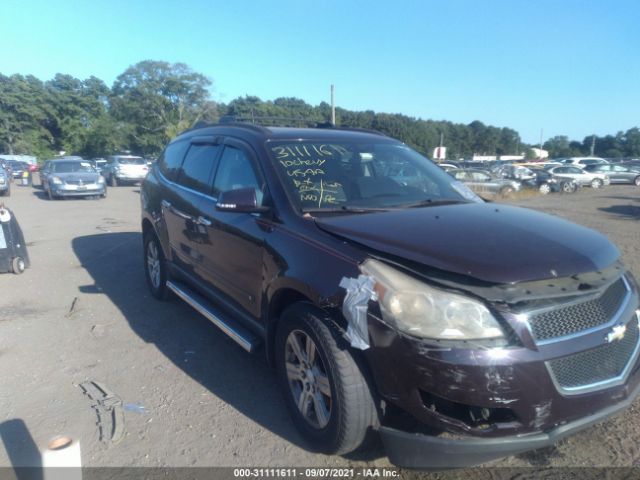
(191, 395)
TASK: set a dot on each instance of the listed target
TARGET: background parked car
(5, 182)
(617, 173)
(594, 180)
(121, 169)
(546, 182)
(483, 182)
(72, 178)
(583, 161)
(17, 168)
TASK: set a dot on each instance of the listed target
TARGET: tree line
(152, 101)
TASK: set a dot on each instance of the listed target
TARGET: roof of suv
(258, 132)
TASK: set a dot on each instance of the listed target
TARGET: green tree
(158, 100)
(25, 116)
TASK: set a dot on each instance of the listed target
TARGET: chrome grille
(575, 318)
(599, 364)
(76, 182)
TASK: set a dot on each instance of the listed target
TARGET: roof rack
(259, 124)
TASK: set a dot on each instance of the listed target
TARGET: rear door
(182, 202)
(620, 174)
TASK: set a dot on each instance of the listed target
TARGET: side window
(619, 168)
(235, 171)
(171, 159)
(197, 167)
(480, 177)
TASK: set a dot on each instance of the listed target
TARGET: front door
(232, 253)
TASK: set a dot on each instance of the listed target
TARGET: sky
(550, 67)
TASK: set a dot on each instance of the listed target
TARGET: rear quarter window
(170, 161)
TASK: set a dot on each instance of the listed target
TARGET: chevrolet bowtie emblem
(617, 333)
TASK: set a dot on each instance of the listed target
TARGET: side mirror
(241, 200)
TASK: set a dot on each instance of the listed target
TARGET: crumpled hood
(489, 242)
(86, 177)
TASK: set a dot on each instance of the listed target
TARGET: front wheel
(637, 181)
(325, 389)
(596, 183)
(544, 189)
(155, 267)
(507, 192)
(113, 181)
(18, 265)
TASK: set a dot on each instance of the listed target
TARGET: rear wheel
(155, 267)
(568, 187)
(325, 389)
(596, 183)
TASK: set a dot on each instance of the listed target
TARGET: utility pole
(541, 133)
(593, 144)
(333, 107)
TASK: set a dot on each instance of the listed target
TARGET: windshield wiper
(344, 209)
(429, 202)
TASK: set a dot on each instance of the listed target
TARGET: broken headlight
(423, 311)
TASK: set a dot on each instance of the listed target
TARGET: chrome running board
(243, 337)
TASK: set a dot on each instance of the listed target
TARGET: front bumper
(78, 191)
(422, 451)
(129, 177)
(498, 400)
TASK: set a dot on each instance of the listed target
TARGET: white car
(121, 169)
(582, 178)
(583, 161)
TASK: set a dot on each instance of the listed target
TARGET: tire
(51, 195)
(337, 405)
(544, 189)
(104, 195)
(506, 192)
(155, 269)
(113, 181)
(596, 183)
(568, 187)
(17, 265)
(636, 181)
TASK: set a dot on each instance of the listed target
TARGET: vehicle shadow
(40, 194)
(186, 338)
(630, 212)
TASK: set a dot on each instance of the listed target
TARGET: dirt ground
(191, 396)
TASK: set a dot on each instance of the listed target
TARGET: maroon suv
(388, 296)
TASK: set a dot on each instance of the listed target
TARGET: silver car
(121, 169)
(482, 182)
(581, 177)
(72, 178)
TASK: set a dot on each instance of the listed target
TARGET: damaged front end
(492, 370)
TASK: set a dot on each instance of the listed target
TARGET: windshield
(72, 167)
(341, 175)
(131, 161)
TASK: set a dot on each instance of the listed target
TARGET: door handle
(203, 221)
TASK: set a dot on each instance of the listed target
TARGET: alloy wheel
(308, 380)
(153, 263)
